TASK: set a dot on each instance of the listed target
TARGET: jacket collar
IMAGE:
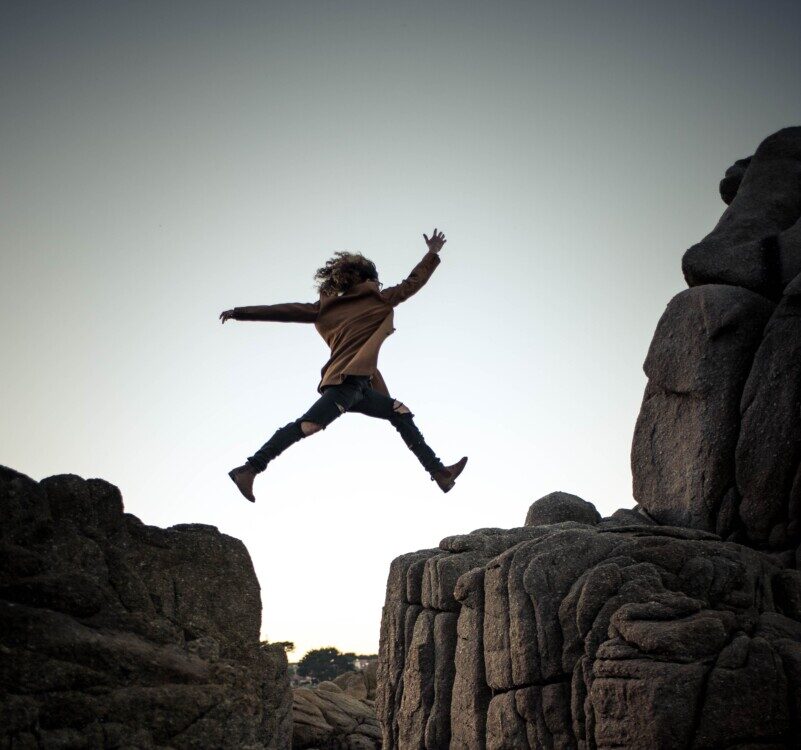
(363, 289)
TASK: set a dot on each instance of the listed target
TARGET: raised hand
(436, 242)
(226, 315)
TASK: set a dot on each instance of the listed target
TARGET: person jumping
(353, 315)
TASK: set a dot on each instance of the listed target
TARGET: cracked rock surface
(114, 634)
(604, 635)
(337, 715)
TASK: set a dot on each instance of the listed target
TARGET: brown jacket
(354, 324)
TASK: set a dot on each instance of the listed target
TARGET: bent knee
(309, 428)
(400, 408)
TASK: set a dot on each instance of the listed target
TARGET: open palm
(436, 242)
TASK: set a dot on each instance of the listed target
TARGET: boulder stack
(337, 715)
(675, 624)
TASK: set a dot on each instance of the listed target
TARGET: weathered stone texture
(597, 635)
(561, 506)
(686, 434)
(768, 456)
(359, 684)
(118, 634)
(750, 247)
(397, 622)
(329, 717)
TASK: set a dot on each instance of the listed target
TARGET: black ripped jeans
(354, 394)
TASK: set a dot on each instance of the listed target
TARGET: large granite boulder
(717, 444)
(561, 506)
(115, 634)
(730, 183)
(755, 244)
(686, 433)
(360, 684)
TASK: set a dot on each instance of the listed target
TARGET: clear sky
(163, 161)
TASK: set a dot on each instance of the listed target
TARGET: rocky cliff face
(673, 625)
(115, 634)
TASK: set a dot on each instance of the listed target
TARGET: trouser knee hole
(400, 408)
(309, 428)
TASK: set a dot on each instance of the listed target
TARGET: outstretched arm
(288, 312)
(420, 274)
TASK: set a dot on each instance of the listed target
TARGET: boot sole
(233, 479)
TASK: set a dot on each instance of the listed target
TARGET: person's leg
(332, 403)
(375, 404)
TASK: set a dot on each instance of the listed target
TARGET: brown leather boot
(446, 477)
(243, 477)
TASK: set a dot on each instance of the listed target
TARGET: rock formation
(337, 715)
(676, 624)
(718, 441)
(115, 634)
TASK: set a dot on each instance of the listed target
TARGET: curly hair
(344, 271)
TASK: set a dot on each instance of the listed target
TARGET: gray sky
(161, 162)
